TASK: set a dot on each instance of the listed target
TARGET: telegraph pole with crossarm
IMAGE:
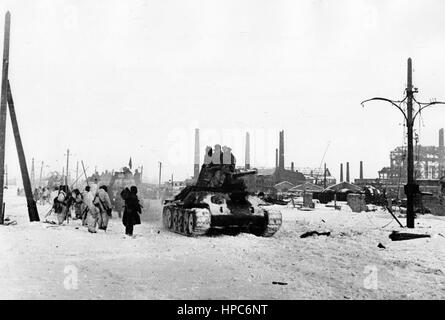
(411, 188)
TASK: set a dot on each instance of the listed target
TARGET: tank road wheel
(188, 224)
(175, 220)
(273, 223)
(181, 222)
(199, 221)
(167, 218)
(170, 219)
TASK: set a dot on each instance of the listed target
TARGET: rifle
(49, 212)
(85, 173)
(76, 181)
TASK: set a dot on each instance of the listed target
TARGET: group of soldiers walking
(94, 208)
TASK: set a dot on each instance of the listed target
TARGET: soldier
(132, 209)
(217, 154)
(228, 157)
(103, 203)
(118, 203)
(91, 211)
(78, 203)
(137, 177)
(60, 206)
(208, 155)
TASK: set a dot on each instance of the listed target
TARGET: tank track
(189, 222)
(273, 223)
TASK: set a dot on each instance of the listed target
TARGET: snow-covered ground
(43, 261)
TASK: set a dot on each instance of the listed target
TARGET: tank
(119, 181)
(218, 199)
(125, 179)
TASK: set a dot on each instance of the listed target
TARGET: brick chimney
(247, 156)
(276, 158)
(347, 171)
(196, 164)
(341, 172)
(441, 154)
(281, 151)
(361, 169)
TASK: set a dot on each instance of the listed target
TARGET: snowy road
(42, 261)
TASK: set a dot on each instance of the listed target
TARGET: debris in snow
(279, 283)
(9, 223)
(311, 233)
(336, 207)
(380, 245)
(305, 209)
(397, 236)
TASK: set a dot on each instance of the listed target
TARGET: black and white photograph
(244, 151)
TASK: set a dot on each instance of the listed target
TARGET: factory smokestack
(247, 157)
(276, 158)
(441, 154)
(196, 164)
(361, 169)
(441, 138)
(281, 159)
(292, 166)
(347, 171)
(341, 172)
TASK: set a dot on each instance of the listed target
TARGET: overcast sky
(114, 79)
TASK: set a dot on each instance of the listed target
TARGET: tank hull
(200, 221)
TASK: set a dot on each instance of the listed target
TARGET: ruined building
(429, 162)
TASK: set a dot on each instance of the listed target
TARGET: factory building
(429, 162)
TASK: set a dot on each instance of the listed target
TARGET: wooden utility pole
(67, 164)
(324, 176)
(77, 172)
(33, 175)
(32, 208)
(85, 173)
(41, 173)
(411, 188)
(160, 173)
(159, 182)
(6, 99)
(3, 103)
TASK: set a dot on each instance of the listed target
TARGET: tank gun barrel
(244, 173)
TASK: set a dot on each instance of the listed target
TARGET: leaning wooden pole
(4, 93)
(32, 208)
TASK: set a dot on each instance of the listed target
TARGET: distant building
(429, 166)
(316, 176)
(283, 186)
(306, 187)
(429, 162)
